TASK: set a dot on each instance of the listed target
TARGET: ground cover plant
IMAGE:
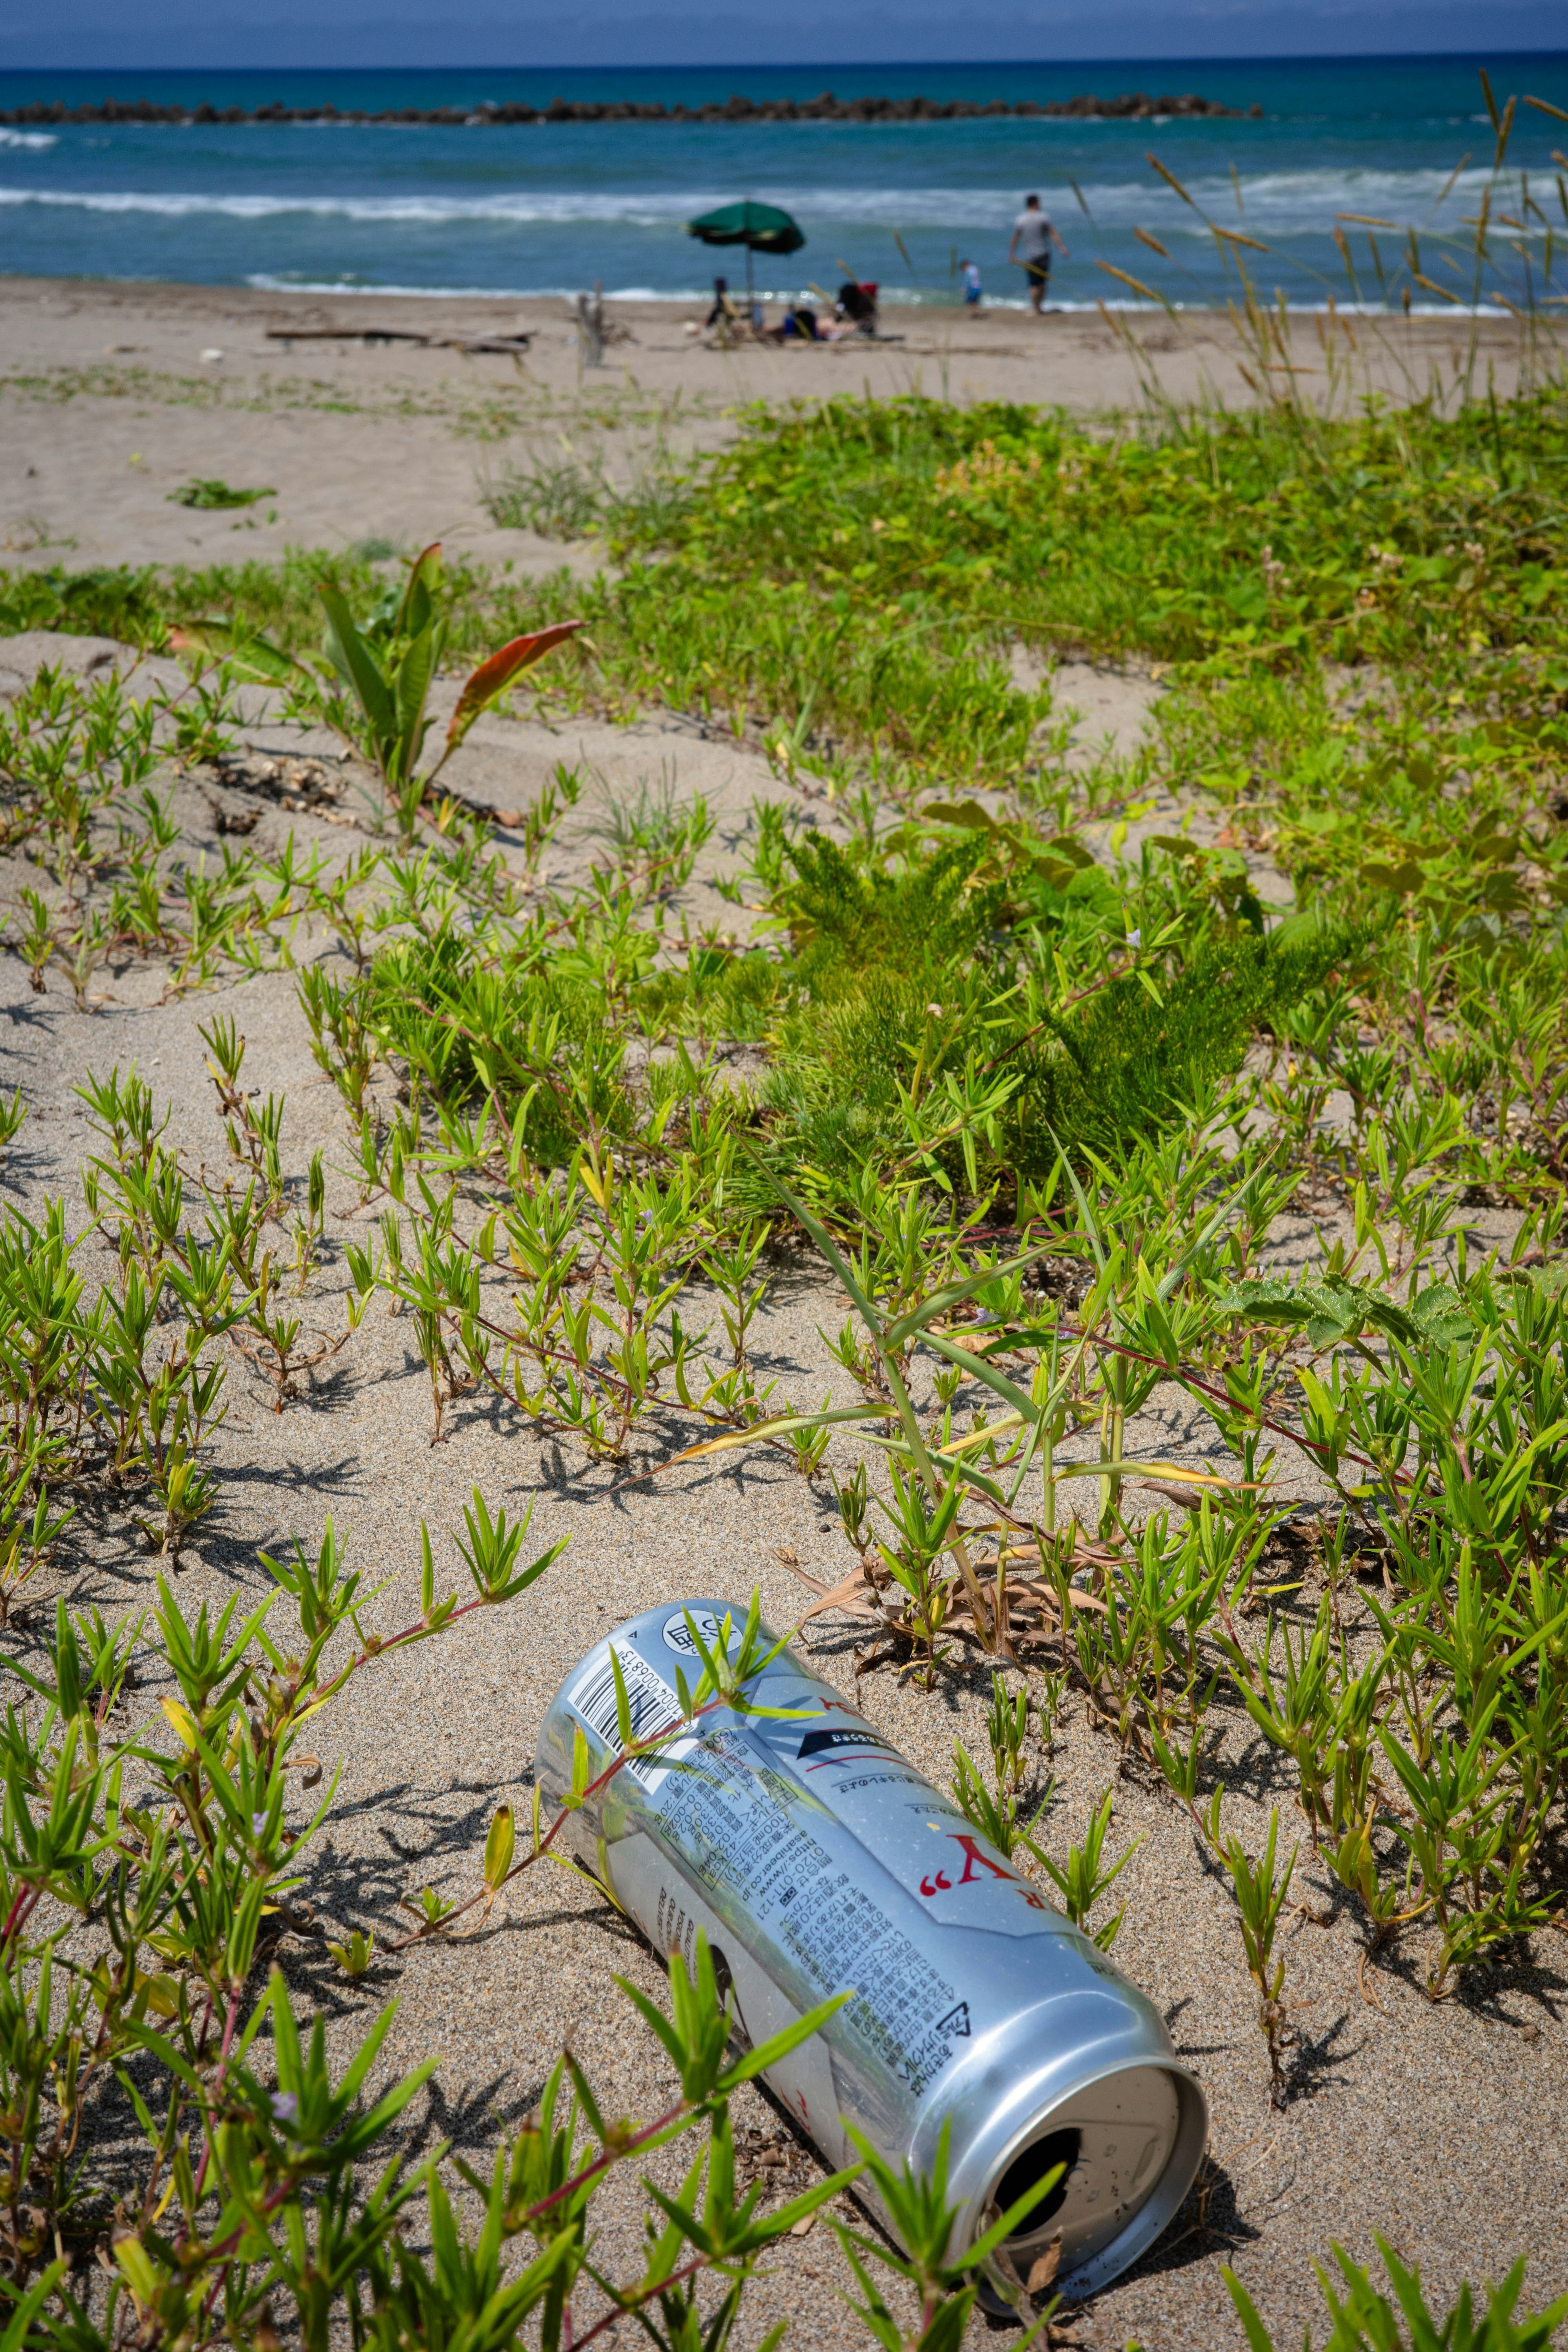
(1035, 1113)
(209, 491)
(856, 575)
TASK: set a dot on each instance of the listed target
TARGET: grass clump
(212, 494)
(914, 980)
(557, 497)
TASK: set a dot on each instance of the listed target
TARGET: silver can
(814, 1857)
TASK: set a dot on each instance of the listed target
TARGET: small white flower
(285, 2107)
(1135, 939)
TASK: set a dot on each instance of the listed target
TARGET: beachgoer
(970, 272)
(1033, 237)
(857, 304)
(798, 325)
(720, 311)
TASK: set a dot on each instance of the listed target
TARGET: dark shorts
(1038, 273)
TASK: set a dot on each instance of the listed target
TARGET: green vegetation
(210, 492)
(1366, 2321)
(1150, 539)
(856, 575)
(1038, 1104)
(140, 604)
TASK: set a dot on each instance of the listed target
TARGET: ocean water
(549, 208)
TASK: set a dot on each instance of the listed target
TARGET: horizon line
(829, 65)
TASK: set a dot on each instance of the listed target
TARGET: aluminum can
(815, 1858)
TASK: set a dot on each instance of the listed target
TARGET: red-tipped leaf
(493, 677)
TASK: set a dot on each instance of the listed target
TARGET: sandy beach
(113, 395)
(1438, 2124)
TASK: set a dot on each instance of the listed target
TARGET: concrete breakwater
(1132, 105)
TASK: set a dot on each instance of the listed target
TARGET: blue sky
(109, 36)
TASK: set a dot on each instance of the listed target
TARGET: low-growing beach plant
(1261, 1887)
(1364, 2319)
(209, 491)
(12, 1115)
(152, 1855)
(1083, 1878)
(561, 497)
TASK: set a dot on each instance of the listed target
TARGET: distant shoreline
(352, 310)
(904, 309)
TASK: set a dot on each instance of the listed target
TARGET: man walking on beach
(1033, 237)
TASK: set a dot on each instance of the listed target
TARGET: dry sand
(112, 395)
(1441, 2126)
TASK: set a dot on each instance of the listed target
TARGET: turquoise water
(547, 208)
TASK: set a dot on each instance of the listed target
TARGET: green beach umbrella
(761, 228)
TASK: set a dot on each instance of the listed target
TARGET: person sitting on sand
(724, 316)
(970, 273)
(859, 304)
(1033, 237)
(798, 325)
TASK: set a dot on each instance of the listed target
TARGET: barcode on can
(650, 1702)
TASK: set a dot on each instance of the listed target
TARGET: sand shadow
(1313, 2065)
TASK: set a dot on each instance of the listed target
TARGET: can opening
(1117, 2135)
(1042, 2156)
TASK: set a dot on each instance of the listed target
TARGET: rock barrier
(1131, 106)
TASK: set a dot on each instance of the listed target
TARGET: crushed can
(816, 1859)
